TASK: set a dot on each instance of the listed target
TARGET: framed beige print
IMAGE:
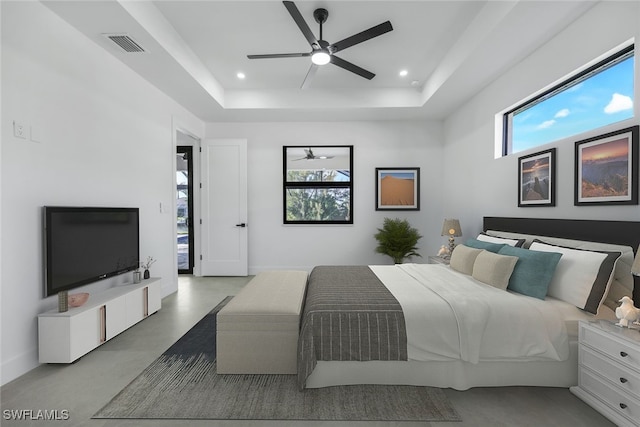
(397, 189)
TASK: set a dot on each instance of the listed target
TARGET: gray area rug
(183, 384)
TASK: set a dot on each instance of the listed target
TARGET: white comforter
(449, 315)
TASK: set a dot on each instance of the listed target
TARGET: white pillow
(582, 277)
(500, 240)
(494, 269)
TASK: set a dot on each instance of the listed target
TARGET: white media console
(64, 337)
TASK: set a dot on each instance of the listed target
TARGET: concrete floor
(85, 386)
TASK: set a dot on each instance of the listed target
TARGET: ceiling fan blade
(305, 84)
(302, 24)
(363, 36)
(279, 55)
(351, 67)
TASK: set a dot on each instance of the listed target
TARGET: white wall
(487, 186)
(376, 144)
(104, 139)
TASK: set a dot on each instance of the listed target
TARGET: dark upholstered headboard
(616, 232)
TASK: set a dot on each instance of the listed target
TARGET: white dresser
(609, 371)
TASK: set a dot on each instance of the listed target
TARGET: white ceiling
(194, 50)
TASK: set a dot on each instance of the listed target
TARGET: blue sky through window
(602, 99)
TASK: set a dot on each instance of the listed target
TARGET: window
(317, 186)
(598, 96)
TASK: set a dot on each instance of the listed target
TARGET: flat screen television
(84, 245)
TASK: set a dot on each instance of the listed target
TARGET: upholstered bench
(257, 331)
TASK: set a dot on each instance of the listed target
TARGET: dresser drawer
(614, 347)
(624, 378)
(622, 403)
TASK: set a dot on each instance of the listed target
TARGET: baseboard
(18, 366)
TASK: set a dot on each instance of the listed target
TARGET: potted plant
(397, 239)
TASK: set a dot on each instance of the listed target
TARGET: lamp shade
(451, 228)
(635, 268)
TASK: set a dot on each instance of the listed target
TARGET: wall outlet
(19, 130)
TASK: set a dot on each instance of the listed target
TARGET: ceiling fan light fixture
(320, 57)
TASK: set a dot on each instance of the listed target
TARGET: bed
(458, 327)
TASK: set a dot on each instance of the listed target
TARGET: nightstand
(609, 370)
(438, 260)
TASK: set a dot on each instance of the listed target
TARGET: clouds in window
(618, 103)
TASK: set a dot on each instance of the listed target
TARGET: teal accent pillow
(533, 271)
(488, 246)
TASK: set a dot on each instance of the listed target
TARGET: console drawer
(621, 403)
(613, 347)
(624, 378)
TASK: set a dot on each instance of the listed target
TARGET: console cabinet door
(116, 316)
(135, 306)
(85, 332)
(154, 297)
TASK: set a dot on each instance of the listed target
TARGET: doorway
(184, 208)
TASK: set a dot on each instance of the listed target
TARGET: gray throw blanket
(349, 315)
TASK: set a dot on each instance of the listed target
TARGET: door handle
(242, 224)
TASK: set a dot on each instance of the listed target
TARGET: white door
(224, 207)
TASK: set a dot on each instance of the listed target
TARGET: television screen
(84, 245)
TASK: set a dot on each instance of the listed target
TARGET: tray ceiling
(194, 50)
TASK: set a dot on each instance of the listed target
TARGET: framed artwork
(397, 189)
(606, 169)
(537, 179)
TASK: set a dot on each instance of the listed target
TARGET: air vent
(125, 42)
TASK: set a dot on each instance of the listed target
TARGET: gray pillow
(494, 269)
(463, 258)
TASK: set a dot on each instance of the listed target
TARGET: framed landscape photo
(537, 179)
(606, 169)
(397, 189)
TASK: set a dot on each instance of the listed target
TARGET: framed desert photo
(537, 179)
(606, 169)
(397, 189)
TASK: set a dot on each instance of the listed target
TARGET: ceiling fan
(310, 156)
(321, 51)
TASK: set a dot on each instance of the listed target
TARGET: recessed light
(241, 76)
(403, 73)
(415, 83)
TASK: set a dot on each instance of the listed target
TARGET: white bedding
(477, 322)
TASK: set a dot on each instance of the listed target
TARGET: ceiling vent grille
(125, 42)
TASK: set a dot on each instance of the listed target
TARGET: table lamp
(451, 228)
